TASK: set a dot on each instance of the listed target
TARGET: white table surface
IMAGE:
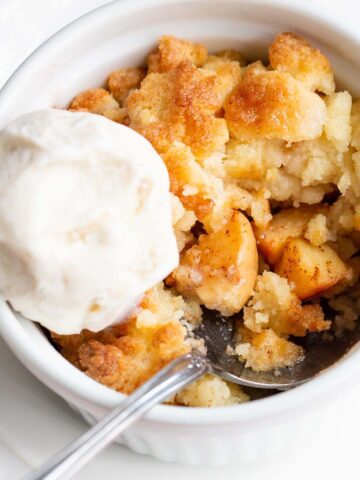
(34, 423)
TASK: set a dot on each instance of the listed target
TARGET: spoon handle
(176, 375)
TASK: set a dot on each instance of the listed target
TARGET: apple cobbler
(264, 166)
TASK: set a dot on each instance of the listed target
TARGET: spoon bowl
(218, 333)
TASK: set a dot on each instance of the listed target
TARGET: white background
(34, 423)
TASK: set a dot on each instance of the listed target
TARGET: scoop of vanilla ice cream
(85, 219)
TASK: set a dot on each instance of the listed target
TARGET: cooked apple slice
(311, 269)
(221, 269)
(291, 222)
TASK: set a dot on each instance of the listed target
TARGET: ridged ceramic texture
(81, 56)
(212, 447)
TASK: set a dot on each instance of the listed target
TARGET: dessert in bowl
(262, 165)
(228, 193)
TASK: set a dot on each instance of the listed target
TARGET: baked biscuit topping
(274, 105)
(293, 54)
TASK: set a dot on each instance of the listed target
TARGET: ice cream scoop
(85, 219)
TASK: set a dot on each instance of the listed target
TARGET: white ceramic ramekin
(80, 56)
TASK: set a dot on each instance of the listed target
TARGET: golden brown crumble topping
(293, 54)
(121, 82)
(274, 105)
(171, 51)
(179, 106)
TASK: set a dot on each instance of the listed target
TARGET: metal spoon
(217, 333)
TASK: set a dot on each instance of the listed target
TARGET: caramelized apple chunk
(220, 270)
(311, 269)
(290, 222)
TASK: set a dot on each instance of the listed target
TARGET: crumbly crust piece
(121, 82)
(293, 54)
(179, 106)
(124, 356)
(267, 351)
(274, 105)
(99, 101)
(274, 305)
(171, 51)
